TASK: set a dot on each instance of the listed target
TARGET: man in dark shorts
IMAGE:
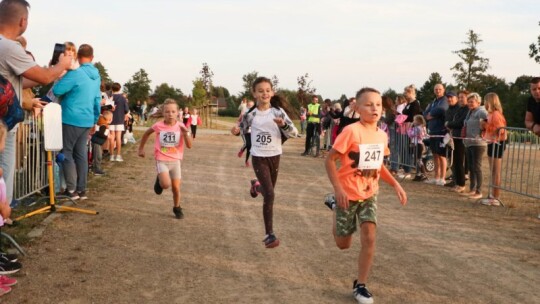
(434, 115)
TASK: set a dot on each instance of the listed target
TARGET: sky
(343, 45)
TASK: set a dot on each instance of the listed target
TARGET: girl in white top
(270, 126)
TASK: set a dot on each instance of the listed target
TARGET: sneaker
(253, 190)
(430, 181)
(119, 158)
(72, 195)
(8, 257)
(178, 212)
(458, 189)
(113, 157)
(450, 184)
(99, 172)
(7, 281)
(82, 195)
(157, 187)
(9, 267)
(490, 202)
(304, 154)
(240, 153)
(330, 201)
(440, 182)
(271, 241)
(4, 290)
(361, 293)
(476, 195)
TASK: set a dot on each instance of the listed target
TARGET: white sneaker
(361, 294)
(113, 157)
(430, 181)
(440, 182)
(119, 158)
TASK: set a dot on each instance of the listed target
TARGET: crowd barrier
(30, 161)
(520, 172)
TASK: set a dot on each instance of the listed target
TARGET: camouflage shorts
(346, 219)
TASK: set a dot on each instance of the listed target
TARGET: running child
(360, 149)
(270, 125)
(171, 135)
(246, 137)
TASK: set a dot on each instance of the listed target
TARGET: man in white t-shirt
(21, 70)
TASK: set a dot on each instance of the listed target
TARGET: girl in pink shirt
(171, 135)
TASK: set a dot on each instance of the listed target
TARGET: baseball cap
(450, 94)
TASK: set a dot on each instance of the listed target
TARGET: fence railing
(30, 161)
(520, 169)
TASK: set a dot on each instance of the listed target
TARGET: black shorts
(496, 150)
(435, 146)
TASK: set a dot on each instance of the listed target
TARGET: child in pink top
(171, 135)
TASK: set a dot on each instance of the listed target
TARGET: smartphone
(59, 48)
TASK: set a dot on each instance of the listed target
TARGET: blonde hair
(70, 46)
(107, 114)
(337, 106)
(492, 102)
(420, 118)
(476, 96)
(169, 101)
(411, 89)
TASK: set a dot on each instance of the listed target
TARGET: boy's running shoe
(330, 201)
(8, 257)
(178, 212)
(9, 267)
(361, 293)
(271, 241)
(253, 190)
(157, 187)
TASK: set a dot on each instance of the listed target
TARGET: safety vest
(314, 110)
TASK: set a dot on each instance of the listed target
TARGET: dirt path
(439, 249)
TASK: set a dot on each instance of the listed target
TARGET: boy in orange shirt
(360, 148)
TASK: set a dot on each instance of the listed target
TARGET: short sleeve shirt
(169, 144)
(360, 148)
(534, 108)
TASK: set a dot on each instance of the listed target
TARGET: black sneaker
(417, 178)
(253, 190)
(8, 257)
(9, 267)
(178, 212)
(99, 172)
(361, 293)
(305, 153)
(450, 184)
(72, 195)
(157, 187)
(271, 241)
(82, 195)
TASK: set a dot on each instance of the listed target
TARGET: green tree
(305, 91)
(164, 91)
(248, 80)
(138, 87)
(472, 66)
(206, 78)
(294, 103)
(103, 72)
(390, 93)
(425, 94)
(220, 92)
(198, 92)
(534, 49)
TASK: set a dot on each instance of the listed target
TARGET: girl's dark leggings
(266, 169)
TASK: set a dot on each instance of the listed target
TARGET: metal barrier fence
(402, 154)
(30, 161)
(520, 172)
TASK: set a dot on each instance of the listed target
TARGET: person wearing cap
(434, 115)
(454, 118)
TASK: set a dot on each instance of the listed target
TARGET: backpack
(10, 107)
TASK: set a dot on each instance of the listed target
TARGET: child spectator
(417, 134)
(99, 138)
(8, 262)
(360, 149)
(171, 135)
(120, 111)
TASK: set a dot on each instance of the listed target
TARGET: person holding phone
(21, 70)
